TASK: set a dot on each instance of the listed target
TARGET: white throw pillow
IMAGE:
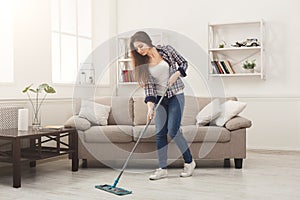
(78, 122)
(210, 112)
(94, 112)
(229, 109)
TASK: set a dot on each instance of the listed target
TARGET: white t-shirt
(161, 74)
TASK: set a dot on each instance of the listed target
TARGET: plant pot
(249, 70)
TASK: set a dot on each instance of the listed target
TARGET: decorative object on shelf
(36, 102)
(87, 74)
(249, 42)
(252, 42)
(238, 44)
(249, 66)
(222, 44)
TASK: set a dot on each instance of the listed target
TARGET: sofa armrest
(238, 122)
(78, 123)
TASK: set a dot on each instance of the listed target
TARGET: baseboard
(273, 149)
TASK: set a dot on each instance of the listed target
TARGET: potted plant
(249, 66)
(222, 44)
(41, 91)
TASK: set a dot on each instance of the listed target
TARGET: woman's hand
(173, 78)
(151, 112)
(150, 115)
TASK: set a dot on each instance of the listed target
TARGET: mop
(113, 188)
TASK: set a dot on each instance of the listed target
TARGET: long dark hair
(140, 62)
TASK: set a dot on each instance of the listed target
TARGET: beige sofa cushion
(194, 133)
(78, 122)
(192, 106)
(121, 109)
(191, 133)
(106, 134)
(140, 110)
(149, 135)
(237, 123)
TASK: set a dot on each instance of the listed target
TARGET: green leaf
(27, 88)
(41, 87)
(49, 89)
(249, 64)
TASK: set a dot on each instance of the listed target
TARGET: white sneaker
(159, 174)
(188, 169)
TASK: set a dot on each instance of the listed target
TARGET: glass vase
(36, 121)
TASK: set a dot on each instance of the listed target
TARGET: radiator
(9, 116)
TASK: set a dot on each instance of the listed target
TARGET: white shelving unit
(230, 33)
(124, 62)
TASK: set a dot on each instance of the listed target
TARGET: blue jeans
(168, 120)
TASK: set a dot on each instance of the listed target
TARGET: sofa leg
(226, 163)
(238, 162)
(84, 163)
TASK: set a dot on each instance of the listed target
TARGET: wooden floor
(265, 175)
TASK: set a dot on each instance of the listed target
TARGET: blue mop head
(114, 190)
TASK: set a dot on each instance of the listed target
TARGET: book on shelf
(221, 70)
(124, 75)
(217, 64)
(222, 67)
(214, 70)
(229, 67)
(215, 67)
(127, 75)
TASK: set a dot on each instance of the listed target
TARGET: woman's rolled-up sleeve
(182, 63)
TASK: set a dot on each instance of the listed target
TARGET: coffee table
(38, 149)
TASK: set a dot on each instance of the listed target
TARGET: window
(6, 42)
(71, 38)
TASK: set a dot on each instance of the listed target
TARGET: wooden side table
(38, 149)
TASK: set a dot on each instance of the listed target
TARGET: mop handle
(137, 142)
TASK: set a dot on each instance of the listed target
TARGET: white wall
(275, 123)
(273, 104)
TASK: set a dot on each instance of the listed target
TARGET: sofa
(127, 118)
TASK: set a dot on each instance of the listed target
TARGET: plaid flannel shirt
(171, 56)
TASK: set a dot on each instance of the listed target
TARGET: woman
(156, 69)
